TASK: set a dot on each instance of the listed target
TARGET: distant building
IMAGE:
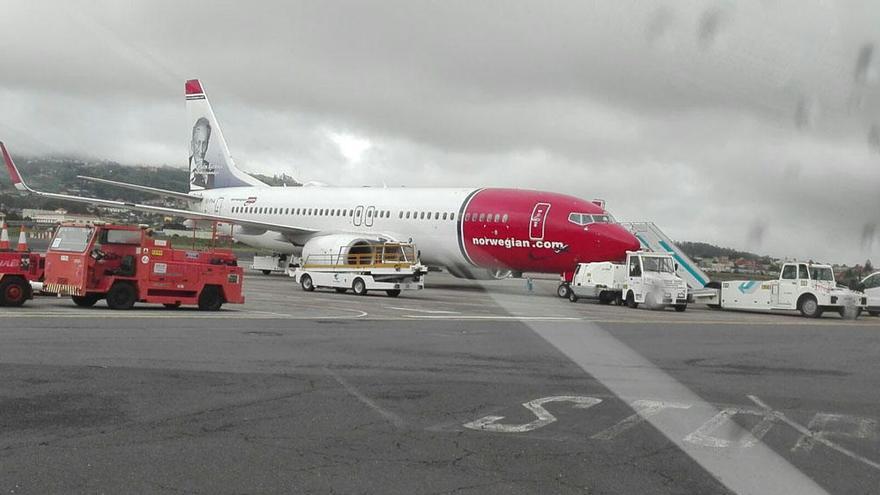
(52, 217)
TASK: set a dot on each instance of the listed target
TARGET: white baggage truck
(361, 266)
(269, 264)
(645, 278)
(805, 287)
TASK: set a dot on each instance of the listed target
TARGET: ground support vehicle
(809, 288)
(651, 238)
(125, 265)
(645, 278)
(871, 287)
(270, 264)
(18, 271)
(362, 266)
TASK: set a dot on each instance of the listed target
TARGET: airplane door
(537, 221)
(217, 205)
(371, 212)
(358, 216)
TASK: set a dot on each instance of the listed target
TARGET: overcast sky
(751, 124)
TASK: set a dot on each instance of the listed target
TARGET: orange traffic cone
(4, 237)
(22, 241)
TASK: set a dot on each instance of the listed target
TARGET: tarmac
(465, 387)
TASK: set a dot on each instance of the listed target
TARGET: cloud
(742, 123)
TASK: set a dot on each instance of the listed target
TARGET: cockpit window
(586, 218)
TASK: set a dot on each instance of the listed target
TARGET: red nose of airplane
(615, 241)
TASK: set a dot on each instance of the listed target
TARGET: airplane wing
(152, 190)
(291, 231)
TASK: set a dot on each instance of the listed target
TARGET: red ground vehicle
(124, 265)
(17, 271)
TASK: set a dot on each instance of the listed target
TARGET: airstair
(653, 239)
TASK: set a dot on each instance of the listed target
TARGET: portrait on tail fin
(201, 171)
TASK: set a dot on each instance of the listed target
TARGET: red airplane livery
(472, 232)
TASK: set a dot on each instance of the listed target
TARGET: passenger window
(452, 216)
(445, 215)
(789, 272)
(407, 215)
(482, 217)
(504, 218)
(803, 273)
(497, 217)
(467, 217)
(422, 216)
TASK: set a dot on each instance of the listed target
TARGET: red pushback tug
(17, 270)
(124, 265)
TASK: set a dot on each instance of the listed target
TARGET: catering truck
(359, 265)
(124, 264)
(645, 278)
(809, 288)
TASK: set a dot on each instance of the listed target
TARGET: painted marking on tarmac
(490, 423)
(436, 311)
(826, 425)
(388, 415)
(816, 438)
(705, 434)
(644, 409)
(493, 317)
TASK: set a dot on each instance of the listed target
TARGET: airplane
(472, 232)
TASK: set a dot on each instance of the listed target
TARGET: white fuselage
(427, 216)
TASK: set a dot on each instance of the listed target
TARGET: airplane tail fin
(210, 164)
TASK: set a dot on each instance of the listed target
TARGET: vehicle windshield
(73, 239)
(822, 273)
(657, 264)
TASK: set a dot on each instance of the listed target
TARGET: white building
(49, 217)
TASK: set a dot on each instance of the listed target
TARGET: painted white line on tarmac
(492, 317)
(434, 311)
(388, 415)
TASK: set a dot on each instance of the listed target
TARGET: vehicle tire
(809, 307)
(572, 296)
(605, 298)
(122, 295)
(266, 272)
(714, 285)
(631, 301)
(681, 308)
(210, 299)
(86, 301)
(563, 290)
(174, 305)
(306, 283)
(14, 291)
(393, 292)
(341, 290)
(874, 313)
(359, 287)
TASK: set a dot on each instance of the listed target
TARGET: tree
(868, 267)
